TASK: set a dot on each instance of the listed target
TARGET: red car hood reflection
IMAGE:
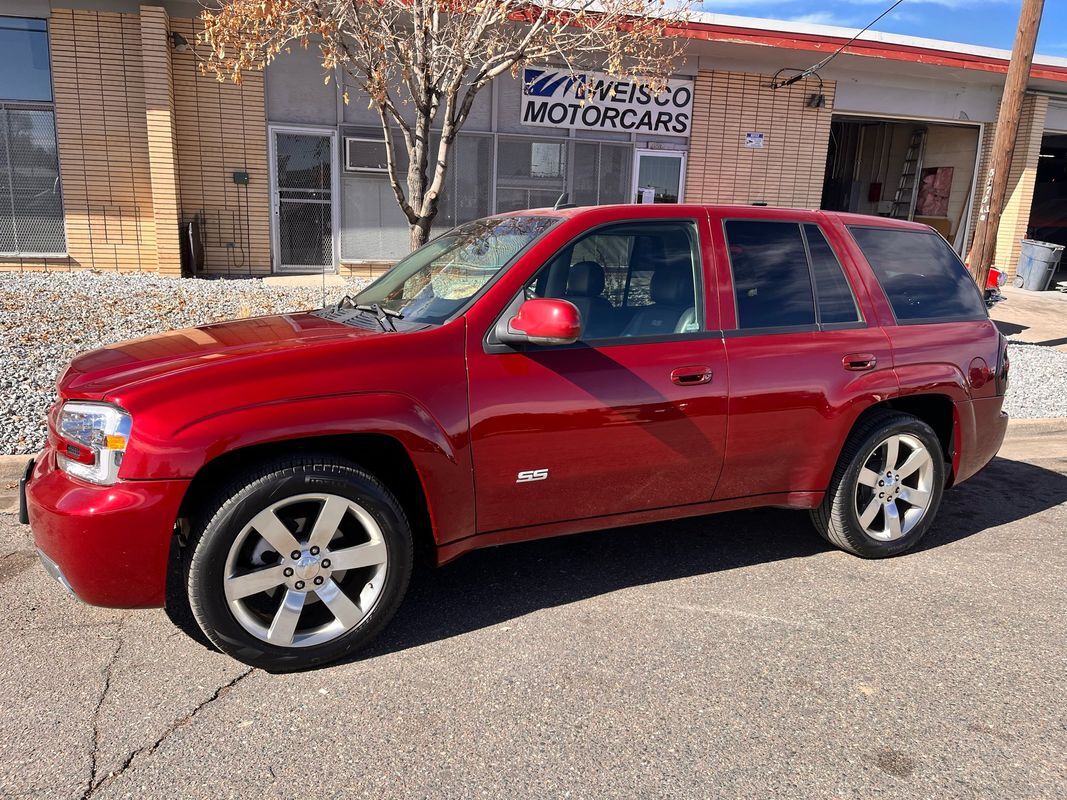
(101, 371)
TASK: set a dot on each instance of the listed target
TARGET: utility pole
(984, 247)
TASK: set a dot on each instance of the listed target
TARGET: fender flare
(933, 378)
(930, 380)
(441, 462)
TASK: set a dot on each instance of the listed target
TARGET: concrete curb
(1034, 427)
(11, 468)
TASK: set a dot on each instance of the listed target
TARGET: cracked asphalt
(735, 656)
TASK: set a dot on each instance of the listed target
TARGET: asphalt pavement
(728, 656)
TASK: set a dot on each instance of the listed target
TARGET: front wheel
(886, 488)
(301, 563)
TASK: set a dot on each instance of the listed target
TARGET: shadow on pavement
(492, 586)
(1009, 328)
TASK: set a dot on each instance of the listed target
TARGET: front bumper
(108, 544)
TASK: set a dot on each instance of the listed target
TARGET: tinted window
(922, 276)
(627, 280)
(772, 283)
(834, 295)
(24, 70)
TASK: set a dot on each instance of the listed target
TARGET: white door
(304, 188)
(659, 176)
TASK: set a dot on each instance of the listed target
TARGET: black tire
(837, 519)
(233, 510)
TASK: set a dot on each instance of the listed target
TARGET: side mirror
(543, 321)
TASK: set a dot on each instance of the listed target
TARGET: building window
(24, 71)
(31, 205)
(601, 173)
(372, 225)
(531, 173)
(466, 193)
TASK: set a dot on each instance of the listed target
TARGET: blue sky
(984, 22)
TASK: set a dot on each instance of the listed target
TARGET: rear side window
(922, 276)
(772, 283)
(836, 303)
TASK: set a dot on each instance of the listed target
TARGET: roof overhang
(825, 39)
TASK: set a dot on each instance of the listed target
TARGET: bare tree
(422, 63)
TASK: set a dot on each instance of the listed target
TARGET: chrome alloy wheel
(306, 570)
(894, 488)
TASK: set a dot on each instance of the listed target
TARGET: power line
(811, 70)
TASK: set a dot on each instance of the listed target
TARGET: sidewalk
(1033, 317)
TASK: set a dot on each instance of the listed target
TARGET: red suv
(526, 375)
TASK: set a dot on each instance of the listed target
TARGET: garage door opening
(1048, 214)
(920, 171)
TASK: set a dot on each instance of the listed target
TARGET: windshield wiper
(383, 315)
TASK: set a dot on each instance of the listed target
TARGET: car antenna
(562, 202)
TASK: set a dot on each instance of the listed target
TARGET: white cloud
(822, 18)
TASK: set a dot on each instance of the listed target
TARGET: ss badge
(530, 475)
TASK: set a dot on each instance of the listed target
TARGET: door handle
(859, 362)
(692, 376)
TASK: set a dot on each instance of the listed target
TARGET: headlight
(93, 441)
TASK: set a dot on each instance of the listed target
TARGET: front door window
(629, 280)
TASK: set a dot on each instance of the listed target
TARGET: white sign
(648, 194)
(593, 101)
(754, 140)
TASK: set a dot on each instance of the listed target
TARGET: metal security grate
(304, 163)
(304, 230)
(31, 204)
(304, 198)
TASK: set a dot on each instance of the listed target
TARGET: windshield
(441, 277)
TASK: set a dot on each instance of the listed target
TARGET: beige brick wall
(162, 144)
(136, 153)
(102, 138)
(1021, 180)
(787, 171)
(364, 269)
(221, 129)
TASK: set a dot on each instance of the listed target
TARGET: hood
(98, 372)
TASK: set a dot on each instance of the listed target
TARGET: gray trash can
(1037, 264)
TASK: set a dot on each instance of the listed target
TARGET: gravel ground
(1038, 387)
(47, 319)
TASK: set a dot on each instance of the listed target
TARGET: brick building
(116, 153)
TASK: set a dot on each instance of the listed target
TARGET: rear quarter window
(772, 281)
(922, 276)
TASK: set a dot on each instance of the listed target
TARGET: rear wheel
(301, 563)
(886, 488)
